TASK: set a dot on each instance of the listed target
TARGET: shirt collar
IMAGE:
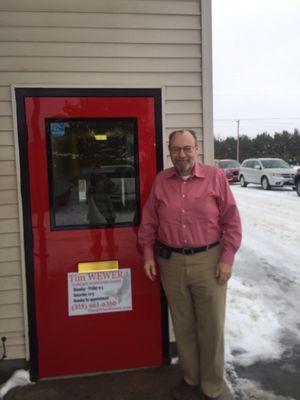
(197, 171)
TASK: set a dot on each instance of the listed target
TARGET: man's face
(183, 152)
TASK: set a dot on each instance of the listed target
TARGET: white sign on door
(99, 292)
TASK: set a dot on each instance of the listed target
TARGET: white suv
(267, 172)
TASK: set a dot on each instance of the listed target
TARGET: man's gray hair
(180, 131)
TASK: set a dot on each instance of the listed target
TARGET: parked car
(267, 172)
(230, 167)
(297, 182)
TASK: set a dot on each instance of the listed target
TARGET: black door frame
(21, 94)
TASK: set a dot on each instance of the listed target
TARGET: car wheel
(298, 187)
(243, 182)
(265, 183)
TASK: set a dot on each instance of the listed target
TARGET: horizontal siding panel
(97, 20)
(9, 254)
(6, 122)
(11, 296)
(8, 182)
(10, 283)
(107, 6)
(198, 131)
(9, 240)
(8, 211)
(57, 64)
(183, 107)
(15, 352)
(183, 93)
(92, 35)
(16, 338)
(10, 268)
(7, 153)
(11, 311)
(6, 138)
(9, 225)
(94, 50)
(11, 325)
(161, 78)
(5, 106)
(8, 196)
(5, 90)
(183, 120)
(7, 167)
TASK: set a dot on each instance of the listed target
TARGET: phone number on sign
(94, 305)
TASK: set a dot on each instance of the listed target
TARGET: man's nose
(181, 152)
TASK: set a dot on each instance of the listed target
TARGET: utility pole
(238, 141)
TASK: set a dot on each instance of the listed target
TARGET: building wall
(110, 43)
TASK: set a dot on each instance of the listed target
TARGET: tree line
(283, 145)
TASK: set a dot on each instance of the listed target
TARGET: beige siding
(7, 167)
(95, 50)
(133, 43)
(157, 7)
(9, 225)
(8, 182)
(11, 296)
(9, 240)
(10, 268)
(6, 138)
(8, 211)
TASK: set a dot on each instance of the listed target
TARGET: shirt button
(183, 195)
(183, 211)
(185, 241)
(184, 226)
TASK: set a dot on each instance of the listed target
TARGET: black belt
(188, 250)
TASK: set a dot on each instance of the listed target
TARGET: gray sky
(256, 62)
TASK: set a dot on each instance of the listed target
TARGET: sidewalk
(146, 384)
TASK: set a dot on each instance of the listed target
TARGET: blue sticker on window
(58, 128)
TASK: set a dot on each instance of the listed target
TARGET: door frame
(21, 137)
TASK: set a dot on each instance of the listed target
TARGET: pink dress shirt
(191, 213)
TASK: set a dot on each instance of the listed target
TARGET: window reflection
(93, 172)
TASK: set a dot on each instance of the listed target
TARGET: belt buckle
(186, 250)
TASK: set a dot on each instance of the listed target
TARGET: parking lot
(263, 326)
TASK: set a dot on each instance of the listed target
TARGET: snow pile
(263, 295)
(18, 378)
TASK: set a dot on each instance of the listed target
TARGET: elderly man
(192, 223)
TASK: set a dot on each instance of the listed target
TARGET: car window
(229, 164)
(256, 164)
(275, 163)
(250, 164)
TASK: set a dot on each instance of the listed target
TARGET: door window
(93, 172)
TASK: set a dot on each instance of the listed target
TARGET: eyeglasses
(186, 149)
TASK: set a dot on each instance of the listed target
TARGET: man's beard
(184, 168)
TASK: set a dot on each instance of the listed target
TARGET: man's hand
(150, 269)
(223, 272)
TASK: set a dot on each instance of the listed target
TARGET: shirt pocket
(206, 207)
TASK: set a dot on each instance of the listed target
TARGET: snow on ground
(263, 304)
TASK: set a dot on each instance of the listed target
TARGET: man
(192, 221)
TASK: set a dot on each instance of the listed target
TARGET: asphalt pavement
(143, 384)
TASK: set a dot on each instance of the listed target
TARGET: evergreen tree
(283, 145)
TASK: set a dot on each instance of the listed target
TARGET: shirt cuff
(227, 257)
(148, 253)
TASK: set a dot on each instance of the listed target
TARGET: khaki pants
(197, 305)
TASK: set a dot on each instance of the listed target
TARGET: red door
(91, 165)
